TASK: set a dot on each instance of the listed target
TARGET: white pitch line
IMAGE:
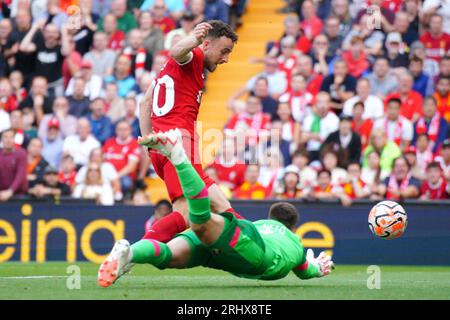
(34, 277)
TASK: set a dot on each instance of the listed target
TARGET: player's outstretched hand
(323, 262)
(201, 31)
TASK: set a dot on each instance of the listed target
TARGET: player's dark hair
(285, 213)
(221, 29)
(162, 203)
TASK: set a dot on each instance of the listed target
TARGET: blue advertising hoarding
(78, 232)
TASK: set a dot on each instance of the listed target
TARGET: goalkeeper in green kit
(265, 249)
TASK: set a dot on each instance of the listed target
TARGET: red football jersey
(436, 48)
(411, 105)
(166, 24)
(230, 175)
(438, 191)
(177, 94)
(117, 40)
(118, 154)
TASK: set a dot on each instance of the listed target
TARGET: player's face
(217, 51)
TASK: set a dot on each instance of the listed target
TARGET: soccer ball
(388, 220)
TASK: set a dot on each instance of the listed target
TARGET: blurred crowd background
(353, 101)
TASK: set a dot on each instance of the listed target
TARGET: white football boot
(116, 264)
(169, 143)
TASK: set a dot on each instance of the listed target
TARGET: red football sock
(237, 215)
(167, 227)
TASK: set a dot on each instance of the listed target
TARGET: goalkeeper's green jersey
(282, 246)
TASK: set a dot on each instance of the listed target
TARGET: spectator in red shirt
(160, 20)
(251, 189)
(71, 64)
(67, 171)
(435, 186)
(287, 60)
(311, 23)
(411, 100)
(324, 189)
(17, 83)
(213, 174)
(291, 28)
(8, 101)
(355, 57)
(123, 152)
(355, 187)
(230, 170)
(13, 164)
(442, 96)
(313, 79)
(437, 42)
(361, 126)
(298, 98)
(116, 37)
(251, 122)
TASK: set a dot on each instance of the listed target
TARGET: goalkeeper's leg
(175, 254)
(207, 226)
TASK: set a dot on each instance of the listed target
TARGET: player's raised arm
(182, 51)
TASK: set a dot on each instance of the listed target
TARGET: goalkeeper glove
(323, 262)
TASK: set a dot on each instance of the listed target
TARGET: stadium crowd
(353, 102)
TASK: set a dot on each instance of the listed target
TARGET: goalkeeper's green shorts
(239, 249)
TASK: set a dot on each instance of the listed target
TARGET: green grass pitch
(48, 281)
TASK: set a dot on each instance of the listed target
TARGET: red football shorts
(166, 171)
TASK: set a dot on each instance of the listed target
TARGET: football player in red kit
(172, 102)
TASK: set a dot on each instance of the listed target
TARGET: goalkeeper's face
(217, 51)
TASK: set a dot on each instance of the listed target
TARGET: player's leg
(207, 226)
(219, 203)
(175, 254)
(175, 222)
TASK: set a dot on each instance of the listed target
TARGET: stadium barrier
(77, 232)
